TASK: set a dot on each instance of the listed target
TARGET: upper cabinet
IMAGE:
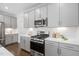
(63, 14)
(69, 14)
(37, 13)
(31, 18)
(10, 21)
(7, 21)
(58, 15)
(43, 12)
(53, 15)
(13, 22)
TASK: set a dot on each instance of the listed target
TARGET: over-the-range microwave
(41, 23)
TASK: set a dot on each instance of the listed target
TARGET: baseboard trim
(11, 44)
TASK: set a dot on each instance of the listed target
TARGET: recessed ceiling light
(6, 7)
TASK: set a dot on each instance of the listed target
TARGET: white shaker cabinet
(43, 12)
(13, 22)
(11, 38)
(69, 14)
(69, 49)
(25, 43)
(31, 15)
(37, 14)
(53, 15)
(22, 42)
(15, 38)
(8, 39)
(7, 21)
(51, 48)
(68, 52)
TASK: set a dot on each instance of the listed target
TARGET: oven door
(37, 47)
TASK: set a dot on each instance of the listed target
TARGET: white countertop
(5, 52)
(69, 41)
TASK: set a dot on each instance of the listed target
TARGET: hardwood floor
(14, 48)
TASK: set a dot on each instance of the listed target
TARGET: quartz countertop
(69, 41)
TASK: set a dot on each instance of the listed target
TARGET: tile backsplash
(69, 32)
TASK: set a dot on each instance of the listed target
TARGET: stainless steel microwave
(41, 23)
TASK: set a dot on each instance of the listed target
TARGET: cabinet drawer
(70, 46)
(48, 42)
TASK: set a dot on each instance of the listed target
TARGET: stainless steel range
(37, 44)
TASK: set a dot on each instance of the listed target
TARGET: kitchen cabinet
(53, 15)
(11, 38)
(69, 14)
(69, 49)
(13, 22)
(22, 42)
(1, 18)
(26, 20)
(43, 12)
(63, 14)
(51, 48)
(25, 43)
(68, 52)
(37, 14)
(7, 21)
(15, 38)
(31, 18)
(8, 39)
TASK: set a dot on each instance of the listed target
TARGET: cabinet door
(53, 15)
(13, 22)
(31, 19)
(43, 11)
(8, 39)
(68, 52)
(26, 20)
(69, 14)
(37, 14)
(7, 22)
(27, 44)
(15, 38)
(51, 50)
(1, 18)
(22, 42)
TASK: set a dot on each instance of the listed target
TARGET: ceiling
(15, 8)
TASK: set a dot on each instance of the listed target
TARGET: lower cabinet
(51, 48)
(11, 38)
(68, 52)
(69, 49)
(63, 49)
(8, 39)
(25, 43)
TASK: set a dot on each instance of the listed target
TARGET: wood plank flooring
(13, 48)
